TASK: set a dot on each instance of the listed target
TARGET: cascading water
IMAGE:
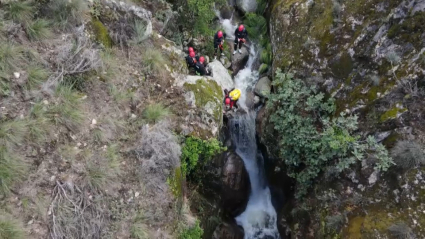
(259, 220)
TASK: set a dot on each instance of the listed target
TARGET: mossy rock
(101, 33)
(392, 113)
(207, 92)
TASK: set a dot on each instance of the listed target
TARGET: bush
(155, 112)
(196, 150)
(9, 228)
(312, 137)
(20, 11)
(408, 154)
(38, 29)
(194, 232)
(67, 14)
(256, 26)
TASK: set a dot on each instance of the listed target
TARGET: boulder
(235, 184)
(228, 231)
(225, 61)
(263, 87)
(239, 60)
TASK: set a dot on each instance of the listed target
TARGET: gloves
(243, 40)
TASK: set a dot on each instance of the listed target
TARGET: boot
(240, 51)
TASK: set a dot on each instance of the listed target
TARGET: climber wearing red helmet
(200, 68)
(190, 49)
(218, 42)
(240, 35)
(191, 60)
(228, 102)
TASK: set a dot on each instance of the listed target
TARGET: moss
(392, 113)
(205, 91)
(176, 182)
(390, 141)
(101, 33)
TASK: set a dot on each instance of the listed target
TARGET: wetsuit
(200, 69)
(191, 63)
(240, 35)
(232, 102)
(218, 43)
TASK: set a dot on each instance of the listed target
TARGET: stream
(259, 220)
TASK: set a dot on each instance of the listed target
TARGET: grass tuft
(67, 110)
(408, 154)
(154, 61)
(20, 11)
(67, 14)
(139, 28)
(138, 231)
(10, 228)
(38, 29)
(155, 112)
(36, 76)
(12, 170)
(13, 132)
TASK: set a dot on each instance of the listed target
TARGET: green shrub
(408, 154)
(10, 228)
(194, 232)
(256, 25)
(67, 14)
(196, 151)
(155, 112)
(38, 29)
(20, 11)
(312, 138)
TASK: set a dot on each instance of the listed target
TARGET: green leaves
(312, 137)
(196, 149)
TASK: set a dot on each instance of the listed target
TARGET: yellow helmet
(235, 94)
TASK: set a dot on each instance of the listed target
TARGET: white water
(259, 220)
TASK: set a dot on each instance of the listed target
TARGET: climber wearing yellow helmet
(231, 97)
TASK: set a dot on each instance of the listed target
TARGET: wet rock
(239, 60)
(226, 63)
(228, 231)
(235, 184)
(250, 100)
(246, 5)
(261, 116)
(263, 87)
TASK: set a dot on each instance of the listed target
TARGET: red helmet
(191, 49)
(220, 34)
(227, 101)
(192, 54)
(241, 28)
(201, 59)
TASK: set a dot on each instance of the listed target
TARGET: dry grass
(36, 76)
(67, 14)
(12, 170)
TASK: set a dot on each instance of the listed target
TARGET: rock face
(239, 60)
(263, 87)
(363, 58)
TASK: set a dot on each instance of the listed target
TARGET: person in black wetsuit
(240, 37)
(200, 68)
(218, 42)
(191, 61)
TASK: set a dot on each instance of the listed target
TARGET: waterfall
(259, 220)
